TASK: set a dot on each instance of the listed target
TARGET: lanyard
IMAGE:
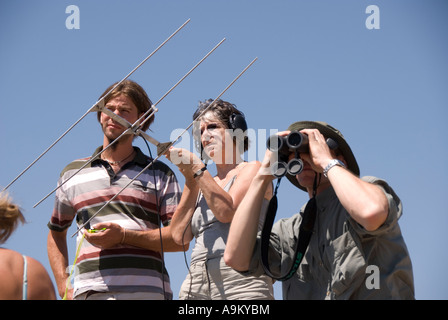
(305, 233)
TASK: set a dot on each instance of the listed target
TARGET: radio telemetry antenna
(136, 127)
(166, 147)
(95, 106)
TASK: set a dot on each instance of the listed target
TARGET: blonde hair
(10, 217)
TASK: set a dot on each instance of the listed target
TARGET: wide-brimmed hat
(328, 132)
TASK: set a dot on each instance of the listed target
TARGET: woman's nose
(205, 137)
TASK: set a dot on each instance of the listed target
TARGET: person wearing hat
(355, 248)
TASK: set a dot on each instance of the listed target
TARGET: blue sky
(385, 89)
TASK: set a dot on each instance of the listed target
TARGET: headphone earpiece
(237, 121)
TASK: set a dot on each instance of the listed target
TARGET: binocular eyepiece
(294, 143)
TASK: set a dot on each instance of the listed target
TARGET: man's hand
(111, 236)
(320, 154)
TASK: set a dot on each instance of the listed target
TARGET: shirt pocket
(146, 186)
(348, 265)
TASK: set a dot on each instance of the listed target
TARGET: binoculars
(294, 143)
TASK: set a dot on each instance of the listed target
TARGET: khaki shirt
(343, 260)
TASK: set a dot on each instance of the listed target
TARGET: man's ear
(139, 115)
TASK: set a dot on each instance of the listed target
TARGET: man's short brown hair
(136, 93)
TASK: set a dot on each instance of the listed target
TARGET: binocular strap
(306, 230)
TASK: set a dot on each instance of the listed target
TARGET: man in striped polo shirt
(124, 260)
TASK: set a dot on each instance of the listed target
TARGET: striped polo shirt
(122, 268)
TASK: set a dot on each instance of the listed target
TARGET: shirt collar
(140, 158)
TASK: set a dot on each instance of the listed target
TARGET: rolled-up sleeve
(395, 208)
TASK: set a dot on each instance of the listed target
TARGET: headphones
(237, 121)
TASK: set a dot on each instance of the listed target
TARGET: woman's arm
(243, 231)
(224, 204)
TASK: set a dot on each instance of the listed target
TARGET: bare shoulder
(10, 275)
(12, 266)
(40, 286)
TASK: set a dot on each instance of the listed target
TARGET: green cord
(73, 268)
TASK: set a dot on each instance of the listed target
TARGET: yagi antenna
(93, 108)
(136, 127)
(166, 147)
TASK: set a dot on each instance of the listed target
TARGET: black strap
(306, 230)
